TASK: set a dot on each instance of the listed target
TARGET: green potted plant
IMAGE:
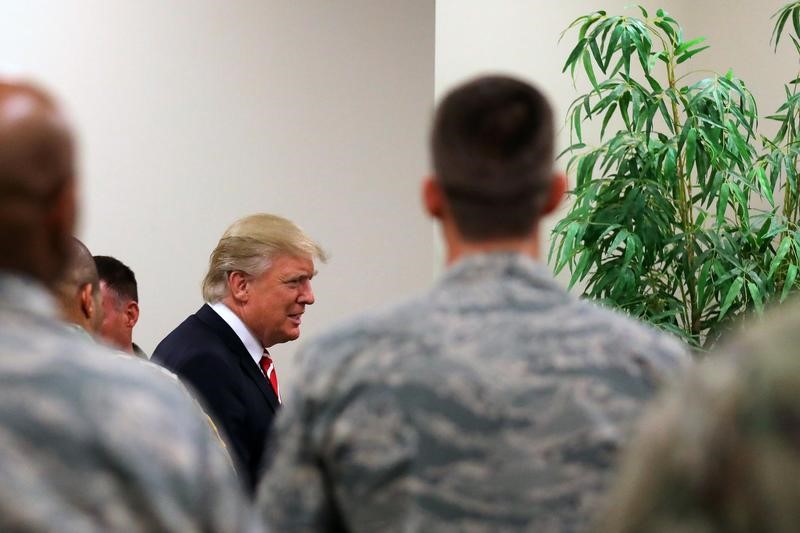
(674, 217)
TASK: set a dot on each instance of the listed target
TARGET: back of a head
(249, 244)
(492, 146)
(118, 276)
(78, 288)
(36, 182)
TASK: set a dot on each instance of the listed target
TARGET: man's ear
(433, 197)
(238, 286)
(87, 301)
(131, 314)
(558, 187)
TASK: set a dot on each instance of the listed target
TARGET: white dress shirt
(249, 340)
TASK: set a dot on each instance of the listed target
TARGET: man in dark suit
(256, 289)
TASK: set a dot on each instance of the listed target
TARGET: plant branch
(686, 213)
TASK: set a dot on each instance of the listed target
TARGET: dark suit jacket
(208, 356)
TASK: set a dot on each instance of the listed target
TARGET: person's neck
(71, 313)
(458, 247)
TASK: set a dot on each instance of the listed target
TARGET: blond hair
(249, 245)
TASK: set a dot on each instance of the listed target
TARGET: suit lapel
(237, 348)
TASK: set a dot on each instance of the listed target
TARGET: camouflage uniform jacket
(494, 403)
(720, 453)
(95, 441)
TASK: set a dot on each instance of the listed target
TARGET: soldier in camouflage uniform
(495, 402)
(721, 452)
(89, 440)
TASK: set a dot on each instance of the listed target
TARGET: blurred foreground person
(721, 453)
(89, 440)
(497, 401)
(256, 290)
(119, 294)
(77, 290)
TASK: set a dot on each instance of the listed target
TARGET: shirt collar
(249, 340)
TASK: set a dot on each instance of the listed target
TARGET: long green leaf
(766, 189)
(704, 287)
(606, 118)
(755, 294)
(722, 203)
(689, 54)
(783, 249)
(581, 269)
(788, 284)
(618, 240)
(574, 55)
(691, 149)
(688, 44)
(612, 45)
(776, 34)
(569, 245)
(587, 67)
(733, 292)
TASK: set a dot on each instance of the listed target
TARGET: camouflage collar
(497, 279)
(75, 329)
(502, 264)
(22, 293)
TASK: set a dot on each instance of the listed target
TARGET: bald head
(78, 288)
(37, 203)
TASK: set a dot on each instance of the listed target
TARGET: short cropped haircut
(79, 272)
(492, 146)
(117, 276)
(249, 245)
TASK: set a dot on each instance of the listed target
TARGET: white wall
(521, 37)
(738, 32)
(193, 113)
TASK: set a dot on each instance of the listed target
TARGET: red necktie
(269, 370)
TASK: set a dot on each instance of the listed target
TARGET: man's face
(277, 299)
(115, 327)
